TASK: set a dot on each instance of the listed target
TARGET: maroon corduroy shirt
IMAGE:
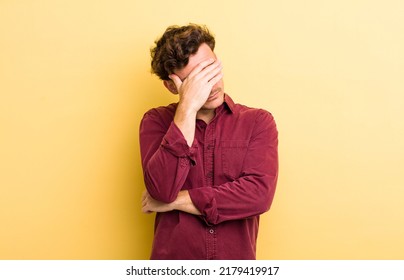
(230, 172)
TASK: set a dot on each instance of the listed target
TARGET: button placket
(211, 243)
(209, 142)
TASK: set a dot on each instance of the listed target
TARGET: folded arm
(166, 157)
(250, 194)
(183, 203)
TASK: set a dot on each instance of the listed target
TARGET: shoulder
(161, 112)
(253, 114)
(158, 118)
(259, 120)
(245, 111)
(246, 116)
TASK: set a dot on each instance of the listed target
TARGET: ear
(170, 86)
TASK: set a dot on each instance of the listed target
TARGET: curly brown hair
(177, 44)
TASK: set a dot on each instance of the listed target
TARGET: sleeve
(166, 157)
(252, 193)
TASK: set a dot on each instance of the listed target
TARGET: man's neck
(205, 115)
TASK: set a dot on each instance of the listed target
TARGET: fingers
(145, 198)
(145, 202)
(145, 211)
(195, 88)
(201, 66)
(213, 75)
(216, 78)
(145, 194)
(207, 69)
(210, 71)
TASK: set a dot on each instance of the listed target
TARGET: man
(210, 165)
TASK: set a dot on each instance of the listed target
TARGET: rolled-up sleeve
(166, 157)
(251, 193)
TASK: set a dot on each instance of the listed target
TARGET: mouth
(214, 94)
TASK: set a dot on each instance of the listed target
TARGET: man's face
(204, 52)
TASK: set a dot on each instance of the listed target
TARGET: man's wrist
(178, 202)
(184, 203)
(184, 113)
(185, 120)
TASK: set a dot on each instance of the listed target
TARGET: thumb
(177, 81)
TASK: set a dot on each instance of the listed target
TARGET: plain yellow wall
(75, 82)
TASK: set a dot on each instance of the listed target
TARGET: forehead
(204, 52)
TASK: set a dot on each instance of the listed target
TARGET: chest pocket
(233, 153)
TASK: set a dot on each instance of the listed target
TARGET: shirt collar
(229, 103)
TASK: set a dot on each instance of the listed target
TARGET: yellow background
(75, 82)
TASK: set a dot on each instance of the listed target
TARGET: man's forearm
(185, 204)
(161, 148)
(182, 203)
(184, 119)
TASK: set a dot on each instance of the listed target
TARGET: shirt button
(210, 174)
(211, 231)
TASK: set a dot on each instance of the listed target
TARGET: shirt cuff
(204, 200)
(174, 142)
